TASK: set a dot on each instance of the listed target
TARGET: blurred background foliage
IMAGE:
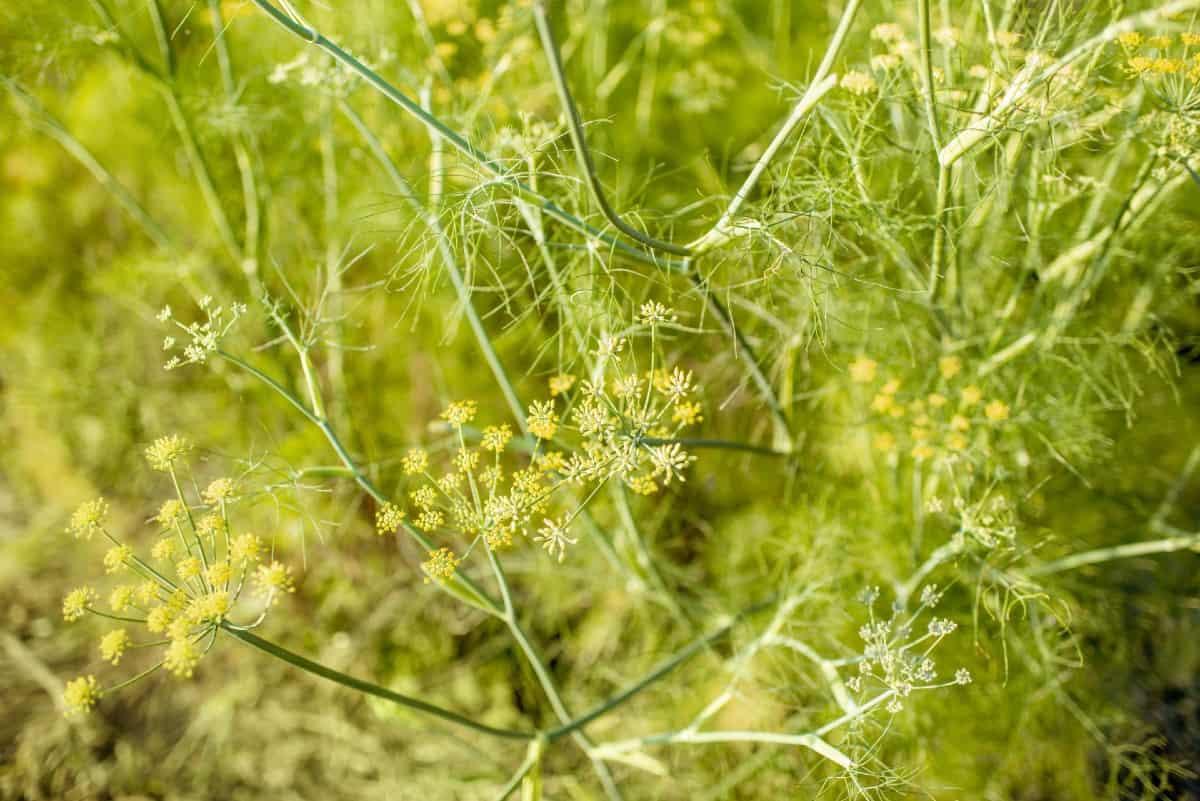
(1086, 689)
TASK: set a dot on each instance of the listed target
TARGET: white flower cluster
(203, 338)
(895, 657)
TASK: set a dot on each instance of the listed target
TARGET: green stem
(458, 142)
(681, 656)
(1167, 545)
(42, 120)
(545, 679)
(187, 134)
(533, 757)
(461, 587)
(449, 261)
(241, 141)
(579, 139)
(822, 82)
(368, 688)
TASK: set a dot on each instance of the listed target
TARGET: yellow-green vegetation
(600, 399)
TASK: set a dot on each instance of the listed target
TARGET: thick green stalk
(317, 669)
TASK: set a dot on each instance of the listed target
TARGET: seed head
(246, 549)
(542, 420)
(116, 557)
(274, 579)
(121, 598)
(181, 657)
(460, 413)
(996, 411)
(561, 383)
(169, 512)
(862, 370)
(219, 490)
(415, 461)
(440, 565)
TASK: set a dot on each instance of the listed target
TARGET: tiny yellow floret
(440, 565)
(862, 370)
(113, 645)
(388, 519)
(166, 451)
(81, 694)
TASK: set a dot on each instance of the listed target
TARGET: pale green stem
(642, 556)
(549, 687)
(1184, 542)
(251, 201)
(533, 758)
(187, 134)
(332, 291)
(821, 83)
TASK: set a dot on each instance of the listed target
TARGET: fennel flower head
(170, 601)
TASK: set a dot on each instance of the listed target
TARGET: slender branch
(533, 758)
(44, 121)
(1183, 542)
(579, 139)
(681, 656)
(368, 688)
(549, 687)
(458, 142)
(191, 146)
(821, 83)
(784, 429)
(809, 740)
(242, 146)
(460, 586)
(449, 261)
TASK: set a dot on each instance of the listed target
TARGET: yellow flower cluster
(1140, 64)
(624, 426)
(186, 588)
(166, 451)
(929, 424)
